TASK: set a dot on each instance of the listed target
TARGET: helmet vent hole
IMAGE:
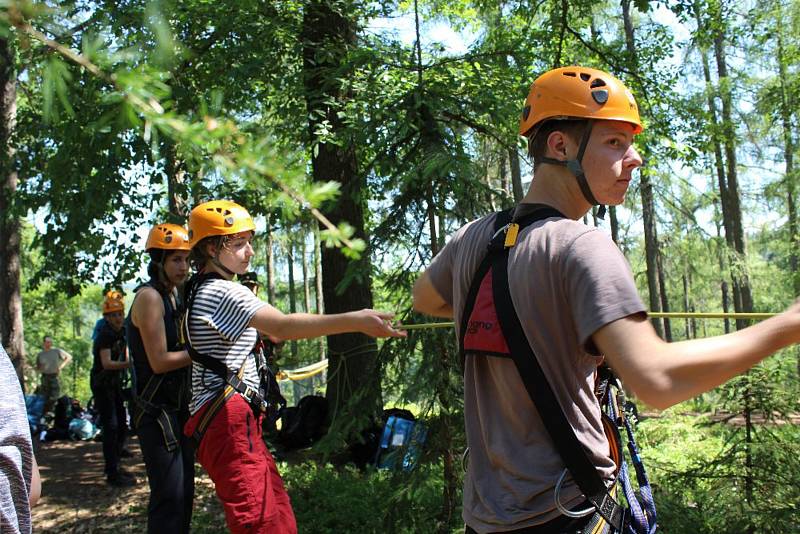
(600, 96)
(597, 82)
(585, 76)
(526, 111)
(570, 74)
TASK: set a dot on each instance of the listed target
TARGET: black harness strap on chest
(572, 452)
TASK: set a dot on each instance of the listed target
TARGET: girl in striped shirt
(222, 325)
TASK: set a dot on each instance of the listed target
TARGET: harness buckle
(249, 393)
(511, 235)
(253, 396)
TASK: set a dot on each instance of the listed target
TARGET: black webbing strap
(145, 405)
(561, 432)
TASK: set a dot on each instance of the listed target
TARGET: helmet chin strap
(217, 263)
(574, 166)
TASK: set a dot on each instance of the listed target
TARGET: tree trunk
(685, 279)
(292, 292)
(318, 287)
(487, 173)
(652, 255)
(503, 172)
(438, 343)
(354, 382)
(516, 175)
(177, 190)
(10, 232)
(788, 156)
(298, 391)
(614, 222)
(662, 286)
(719, 163)
(270, 262)
(304, 263)
(650, 246)
(742, 297)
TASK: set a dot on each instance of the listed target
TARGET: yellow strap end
(511, 235)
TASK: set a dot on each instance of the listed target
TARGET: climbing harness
(490, 327)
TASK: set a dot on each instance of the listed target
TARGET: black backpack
(305, 424)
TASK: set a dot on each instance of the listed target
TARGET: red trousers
(244, 472)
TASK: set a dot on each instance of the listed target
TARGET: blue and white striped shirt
(218, 327)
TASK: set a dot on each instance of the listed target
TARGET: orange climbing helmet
(114, 301)
(168, 236)
(578, 93)
(218, 218)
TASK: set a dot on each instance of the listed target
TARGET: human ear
(557, 145)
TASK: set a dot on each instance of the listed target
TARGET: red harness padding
(483, 334)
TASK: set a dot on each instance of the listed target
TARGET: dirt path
(76, 498)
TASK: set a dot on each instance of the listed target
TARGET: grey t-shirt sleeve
(440, 271)
(599, 285)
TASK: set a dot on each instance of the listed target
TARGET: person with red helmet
(161, 385)
(229, 378)
(551, 299)
(106, 380)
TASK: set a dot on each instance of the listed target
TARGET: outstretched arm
(271, 321)
(663, 374)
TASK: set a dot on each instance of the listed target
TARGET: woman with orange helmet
(223, 320)
(161, 381)
(106, 380)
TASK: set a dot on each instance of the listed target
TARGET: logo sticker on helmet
(525, 112)
(600, 96)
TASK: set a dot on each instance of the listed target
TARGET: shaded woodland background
(361, 134)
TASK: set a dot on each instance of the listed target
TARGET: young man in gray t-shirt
(577, 303)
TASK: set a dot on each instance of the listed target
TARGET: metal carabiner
(560, 507)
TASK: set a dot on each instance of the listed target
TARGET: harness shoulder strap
(214, 365)
(558, 427)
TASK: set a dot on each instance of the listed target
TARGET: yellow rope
(654, 315)
(318, 367)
